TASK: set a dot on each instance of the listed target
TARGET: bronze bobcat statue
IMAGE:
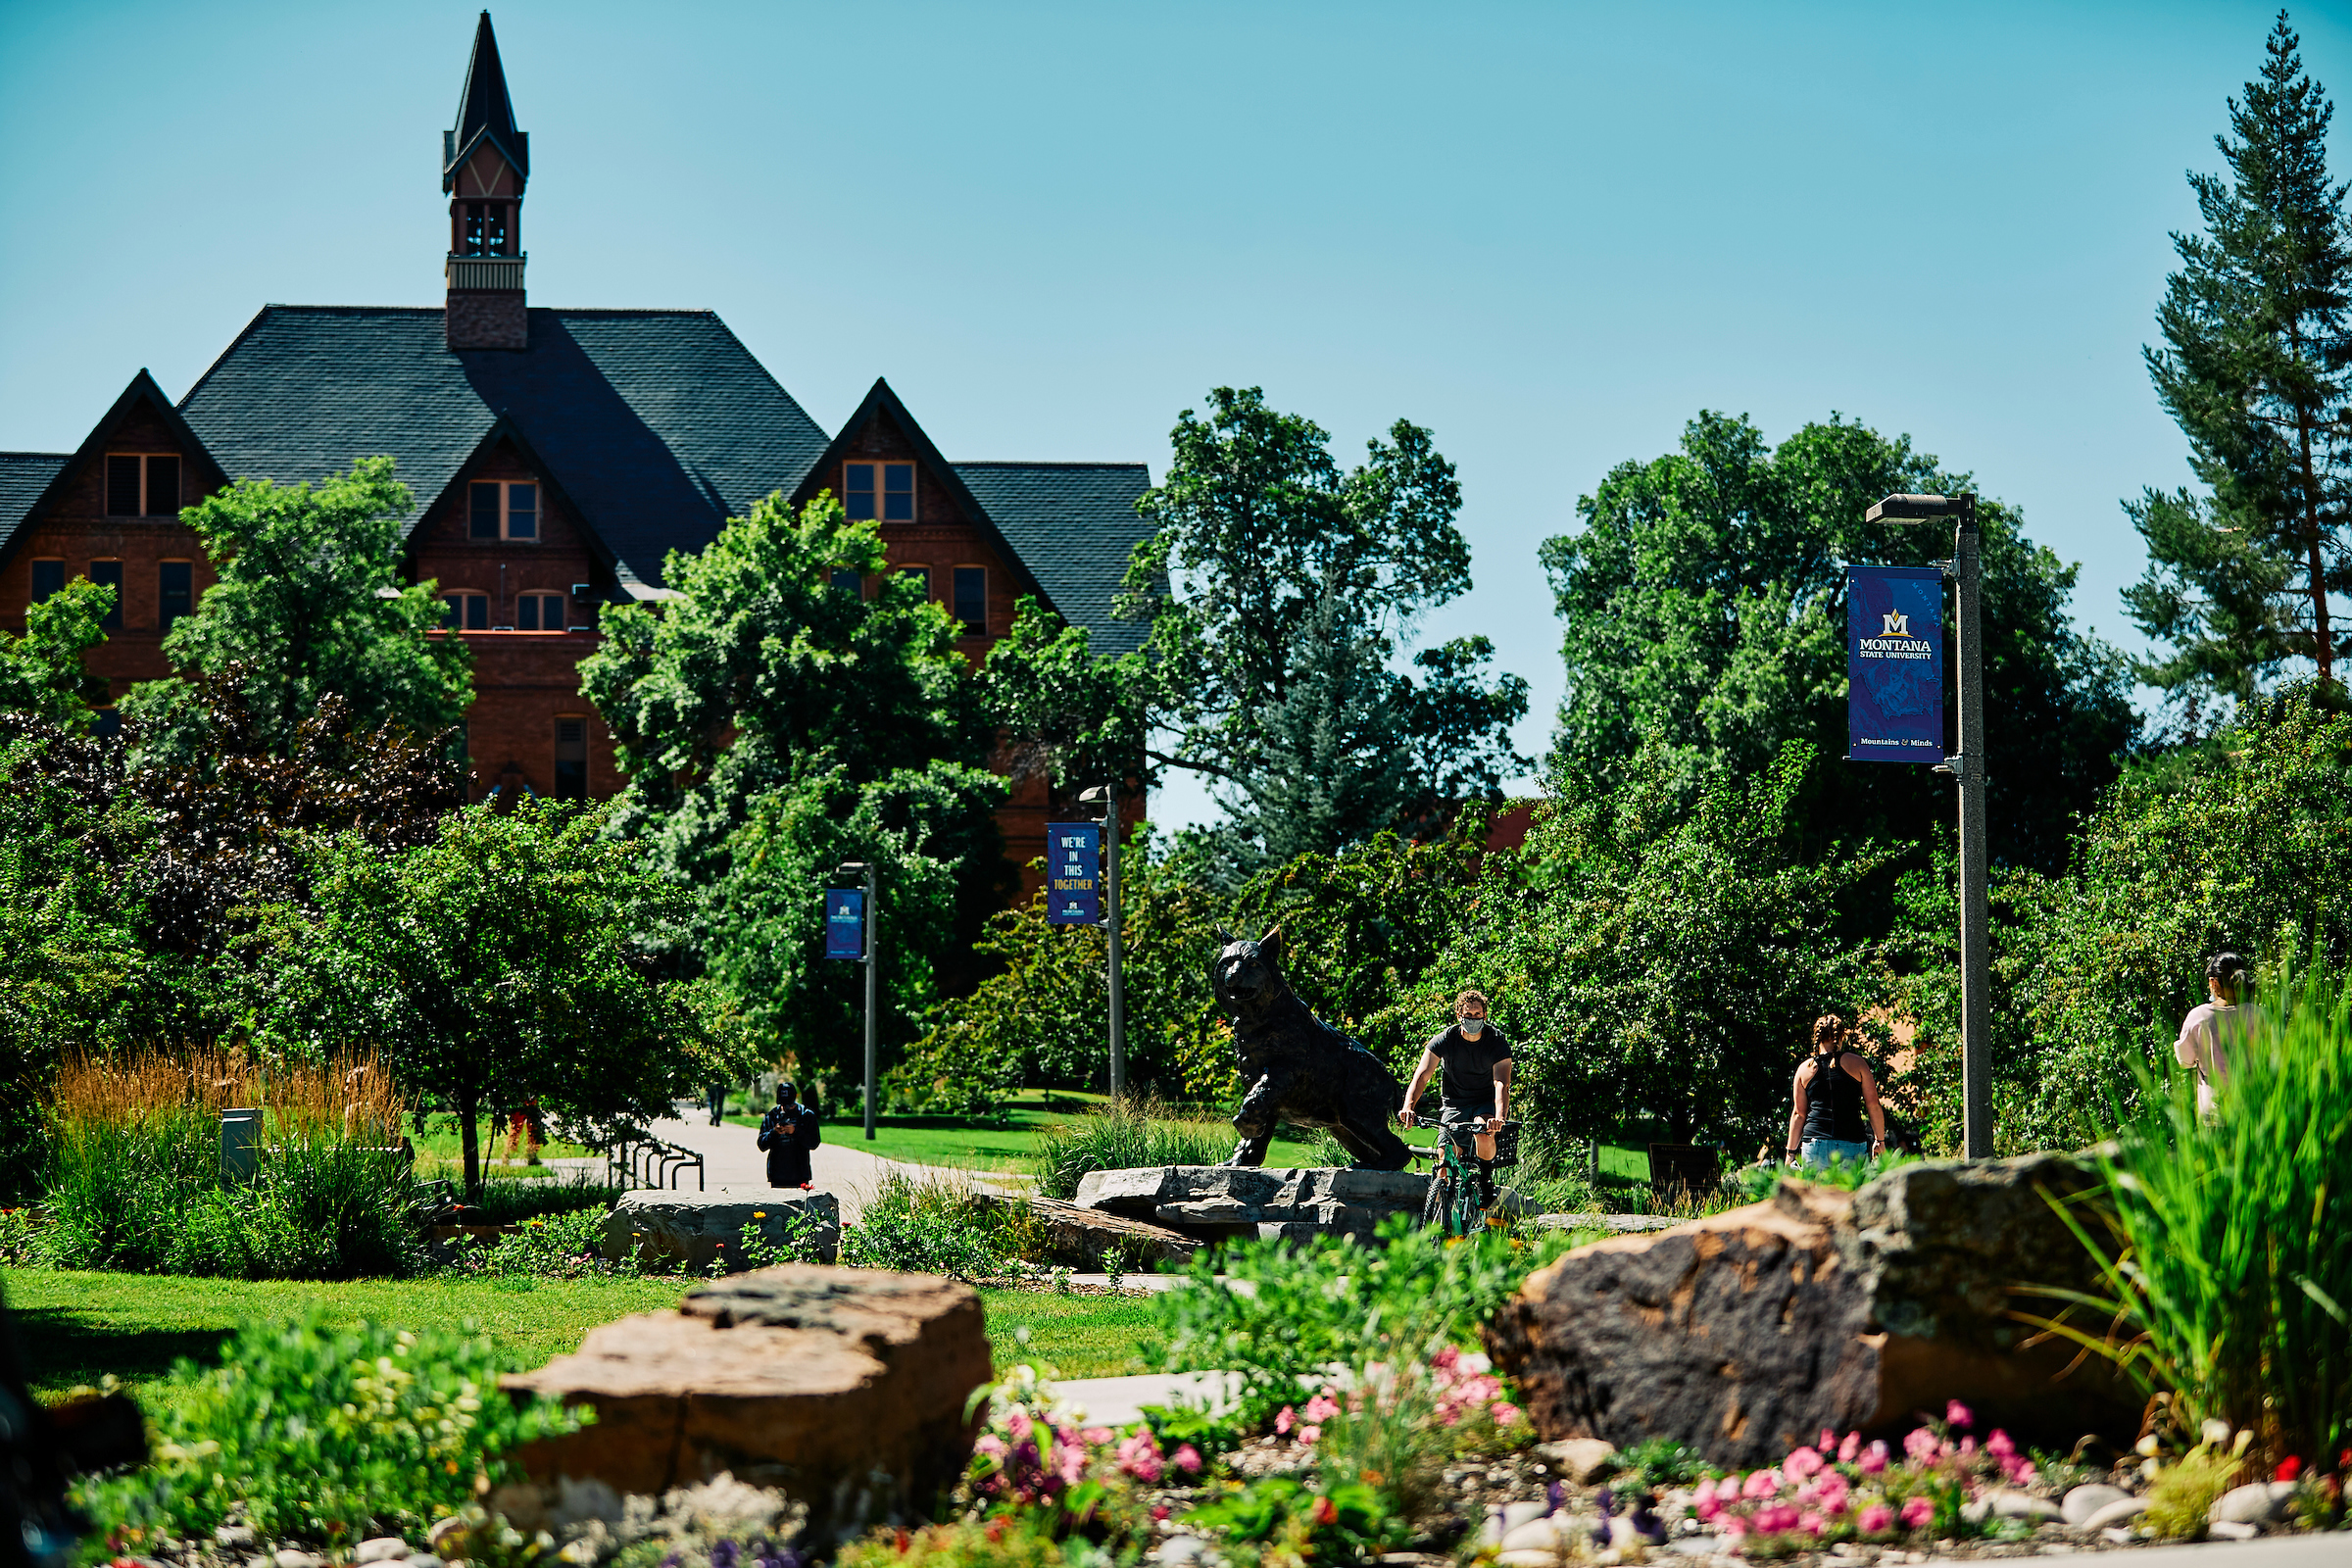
(1299, 1069)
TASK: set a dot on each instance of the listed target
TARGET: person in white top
(2214, 1028)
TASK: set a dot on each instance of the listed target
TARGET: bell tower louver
(484, 164)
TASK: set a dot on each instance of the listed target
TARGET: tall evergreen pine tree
(2256, 373)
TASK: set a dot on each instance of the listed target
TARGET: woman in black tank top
(1834, 1093)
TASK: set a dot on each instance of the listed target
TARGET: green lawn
(970, 1145)
(72, 1328)
(1071, 1336)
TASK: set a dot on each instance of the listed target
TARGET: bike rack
(635, 1162)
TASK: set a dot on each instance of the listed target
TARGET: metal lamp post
(1107, 797)
(854, 871)
(1967, 770)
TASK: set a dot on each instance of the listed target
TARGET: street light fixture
(1108, 797)
(864, 871)
(1968, 771)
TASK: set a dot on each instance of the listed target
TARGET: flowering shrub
(1841, 1489)
(1283, 1522)
(1082, 1477)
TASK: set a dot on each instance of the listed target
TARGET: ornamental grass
(2226, 1247)
(136, 1181)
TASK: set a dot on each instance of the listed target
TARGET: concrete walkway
(731, 1158)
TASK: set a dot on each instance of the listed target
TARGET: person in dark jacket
(786, 1133)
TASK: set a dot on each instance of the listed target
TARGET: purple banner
(1894, 663)
(1073, 873)
(845, 923)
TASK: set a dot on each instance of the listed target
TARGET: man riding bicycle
(1474, 1091)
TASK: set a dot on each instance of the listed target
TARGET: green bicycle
(1453, 1206)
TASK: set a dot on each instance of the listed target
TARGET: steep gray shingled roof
(657, 425)
(1073, 525)
(23, 475)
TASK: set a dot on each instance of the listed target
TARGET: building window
(110, 573)
(571, 759)
(468, 611)
(539, 612)
(485, 230)
(921, 576)
(175, 591)
(48, 577)
(971, 599)
(897, 480)
(142, 486)
(849, 580)
(498, 509)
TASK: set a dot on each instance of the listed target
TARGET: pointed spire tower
(484, 163)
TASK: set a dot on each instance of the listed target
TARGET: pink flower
(1875, 1519)
(1286, 1420)
(1967, 1445)
(1188, 1460)
(1832, 1494)
(1998, 1444)
(1704, 1501)
(1874, 1460)
(1919, 1446)
(1849, 1448)
(1811, 1523)
(1139, 1456)
(1802, 1463)
(1095, 1437)
(1322, 1407)
(1918, 1513)
(1760, 1484)
(990, 1445)
(1071, 1462)
(1957, 1414)
(1447, 1359)
(1733, 1525)
(1018, 1425)
(1503, 1411)
(1160, 1511)
(1776, 1517)
(1829, 1440)
(1310, 1435)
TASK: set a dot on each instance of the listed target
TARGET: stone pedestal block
(691, 1226)
(846, 1388)
(1748, 1332)
(1216, 1202)
(1088, 1238)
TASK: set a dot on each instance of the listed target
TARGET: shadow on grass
(62, 1349)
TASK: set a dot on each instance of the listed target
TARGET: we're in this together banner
(1894, 663)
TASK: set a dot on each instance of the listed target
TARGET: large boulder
(1746, 1332)
(695, 1227)
(1216, 1202)
(1090, 1238)
(848, 1389)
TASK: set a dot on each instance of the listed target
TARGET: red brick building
(555, 457)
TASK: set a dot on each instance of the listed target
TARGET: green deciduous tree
(1295, 583)
(41, 673)
(1045, 1018)
(498, 963)
(310, 605)
(1703, 609)
(2257, 369)
(1655, 956)
(773, 725)
(2248, 849)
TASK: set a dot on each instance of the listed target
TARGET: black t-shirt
(1467, 1081)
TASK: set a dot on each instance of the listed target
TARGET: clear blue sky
(1551, 232)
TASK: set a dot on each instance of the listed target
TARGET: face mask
(1474, 1027)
